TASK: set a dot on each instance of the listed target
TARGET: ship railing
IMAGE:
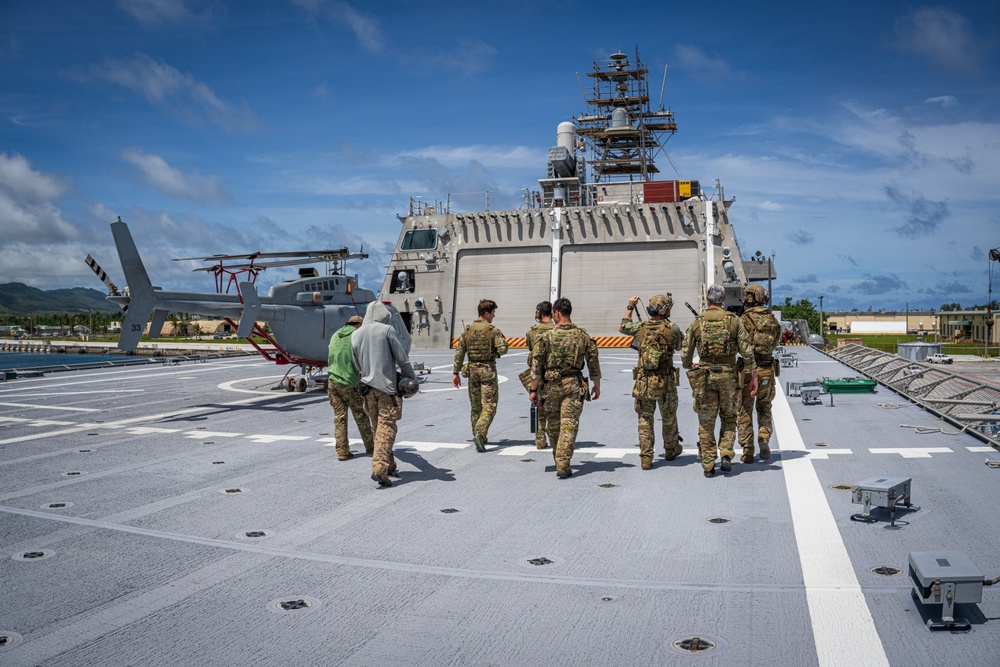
(970, 404)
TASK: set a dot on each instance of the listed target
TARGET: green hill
(20, 299)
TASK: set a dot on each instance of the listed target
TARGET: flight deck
(192, 514)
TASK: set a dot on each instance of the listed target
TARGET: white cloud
(365, 28)
(699, 62)
(155, 13)
(945, 101)
(164, 86)
(169, 180)
(940, 35)
(27, 208)
(769, 205)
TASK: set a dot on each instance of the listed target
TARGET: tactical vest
(717, 343)
(479, 341)
(566, 350)
(534, 333)
(764, 332)
(656, 347)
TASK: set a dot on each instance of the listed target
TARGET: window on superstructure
(419, 239)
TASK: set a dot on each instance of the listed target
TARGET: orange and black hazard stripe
(602, 341)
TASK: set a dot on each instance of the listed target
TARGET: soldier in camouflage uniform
(342, 389)
(655, 382)
(543, 313)
(765, 333)
(557, 374)
(484, 343)
(717, 335)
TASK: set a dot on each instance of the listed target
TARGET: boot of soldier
(563, 473)
(480, 443)
(765, 451)
(345, 456)
(540, 443)
(647, 464)
(747, 455)
(726, 465)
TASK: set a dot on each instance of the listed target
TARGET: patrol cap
(355, 319)
(716, 294)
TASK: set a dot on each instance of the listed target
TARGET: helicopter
(302, 314)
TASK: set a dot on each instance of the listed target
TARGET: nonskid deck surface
(204, 500)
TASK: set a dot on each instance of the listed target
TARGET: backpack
(763, 332)
(716, 339)
(655, 349)
(566, 348)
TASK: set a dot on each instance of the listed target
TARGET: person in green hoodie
(342, 388)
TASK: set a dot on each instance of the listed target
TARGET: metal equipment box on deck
(881, 492)
(946, 578)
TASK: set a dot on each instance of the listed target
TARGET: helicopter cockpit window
(419, 239)
(402, 281)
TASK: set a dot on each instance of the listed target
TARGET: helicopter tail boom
(142, 299)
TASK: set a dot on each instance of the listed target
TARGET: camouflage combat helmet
(660, 304)
(755, 294)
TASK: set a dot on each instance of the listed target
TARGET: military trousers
(385, 410)
(484, 391)
(563, 407)
(717, 400)
(762, 402)
(343, 398)
(645, 406)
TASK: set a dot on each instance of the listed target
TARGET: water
(11, 360)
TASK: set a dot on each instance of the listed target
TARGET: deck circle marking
(9, 640)
(33, 555)
(56, 506)
(294, 604)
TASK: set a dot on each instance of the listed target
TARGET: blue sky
(860, 139)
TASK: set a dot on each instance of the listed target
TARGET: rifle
(691, 308)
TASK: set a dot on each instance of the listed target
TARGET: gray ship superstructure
(596, 242)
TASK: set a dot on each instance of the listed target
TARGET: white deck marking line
(268, 439)
(430, 446)
(824, 454)
(194, 435)
(148, 430)
(49, 407)
(842, 624)
(981, 450)
(911, 452)
(435, 570)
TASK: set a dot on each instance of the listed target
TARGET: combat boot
(765, 451)
(480, 443)
(383, 480)
(540, 443)
(710, 473)
(345, 456)
(563, 473)
(671, 454)
(726, 465)
(647, 464)
(747, 455)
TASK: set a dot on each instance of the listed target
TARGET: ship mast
(623, 132)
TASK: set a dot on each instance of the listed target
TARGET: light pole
(994, 257)
(821, 321)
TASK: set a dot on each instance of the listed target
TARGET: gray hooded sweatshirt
(381, 344)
